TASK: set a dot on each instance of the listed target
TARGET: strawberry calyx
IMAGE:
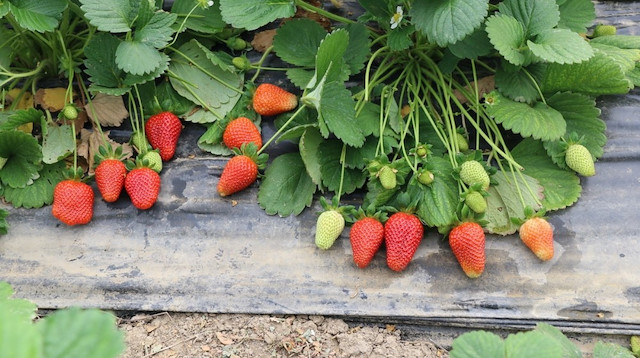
(529, 213)
(251, 150)
(371, 212)
(139, 162)
(76, 174)
(347, 211)
(107, 152)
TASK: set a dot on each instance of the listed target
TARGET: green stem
(184, 21)
(260, 62)
(343, 155)
(281, 129)
(325, 13)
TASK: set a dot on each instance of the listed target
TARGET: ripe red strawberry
(402, 235)
(143, 186)
(270, 100)
(366, 236)
(239, 131)
(163, 130)
(537, 234)
(109, 175)
(467, 242)
(241, 170)
(73, 202)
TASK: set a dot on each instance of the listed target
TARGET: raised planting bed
(196, 251)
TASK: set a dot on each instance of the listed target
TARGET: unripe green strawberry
(472, 172)
(426, 177)
(604, 30)
(476, 202)
(3, 161)
(328, 228)
(139, 141)
(387, 177)
(579, 159)
(73, 202)
(537, 234)
(154, 161)
(402, 235)
(70, 112)
(422, 151)
(463, 145)
(241, 63)
(467, 242)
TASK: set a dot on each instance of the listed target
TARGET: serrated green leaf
(448, 21)
(517, 83)
(561, 187)
(24, 309)
(369, 119)
(358, 157)
(438, 200)
(157, 32)
(19, 338)
(10, 120)
(610, 350)
(535, 16)
(58, 143)
(286, 188)
(504, 201)
(538, 120)
(473, 46)
(35, 15)
(300, 77)
(477, 344)
(583, 118)
(621, 41)
(251, 14)
(297, 41)
(304, 117)
(570, 350)
(358, 49)
(338, 113)
(634, 75)
(597, 76)
(5, 7)
(330, 64)
(531, 344)
(24, 159)
(112, 16)
(626, 58)
(218, 88)
(205, 20)
(577, 15)
(4, 227)
(40, 192)
(508, 37)
(400, 38)
(377, 8)
(73, 332)
(293, 133)
(130, 53)
(100, 62)
(560, 46)
(308, 146)
(331, 168)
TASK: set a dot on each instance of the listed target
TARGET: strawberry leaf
(18, 335)
(475, 45)
(205, 20)
(24, 159)
(597, 76)
(535, 16)
(300, 77)
(25, 309)
(626, 58)
(478, 344)
(577, 15)
(507, 36)
(129, 53)
(531, 344)
(309, 145)
(621, 41)
(561, 187)
(560, 46)
(570, 350)
(583, 118)
(538, 120)
(358, 49)
(297, 41)
(10, 120)
(400, 38)
(35, 15)
(157, 31)
(331, 169)
(504, 203)
(200, 78)
(112, 16)
(57, 143)
(330, 64)
(607, 350)
(438, 200)
(515, 83)
(448, 21)
(40, 192)
(286, 188)
(251, 14)
(337, 111)
(100, 63)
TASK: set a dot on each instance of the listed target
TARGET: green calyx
(251, 150)
(107, 152)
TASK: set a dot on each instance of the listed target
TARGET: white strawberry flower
(397, 17)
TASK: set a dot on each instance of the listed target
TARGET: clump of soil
(165, 335)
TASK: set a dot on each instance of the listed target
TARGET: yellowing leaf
(107, 110)
(26, 101)
(52, 99)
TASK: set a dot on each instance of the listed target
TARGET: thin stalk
(343, 155)
(205, 71)
(261, 61)
(325, 13)
(281, 129)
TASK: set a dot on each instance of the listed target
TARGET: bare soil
(170, 335)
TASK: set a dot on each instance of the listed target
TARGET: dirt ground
(195, 335)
